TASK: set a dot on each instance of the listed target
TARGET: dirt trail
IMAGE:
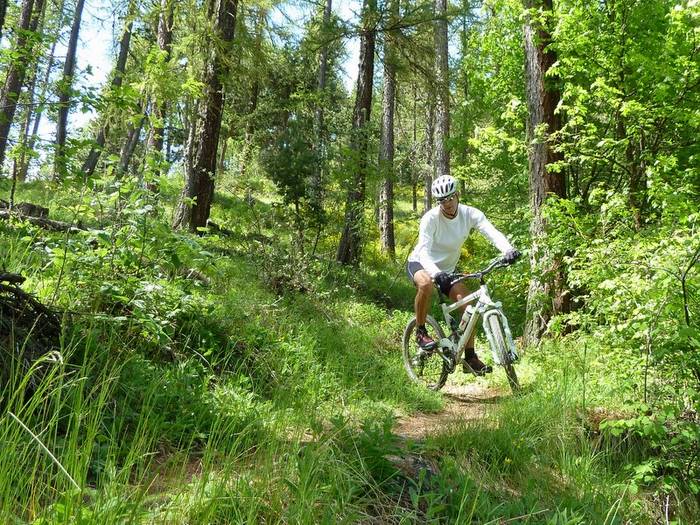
(462, 403)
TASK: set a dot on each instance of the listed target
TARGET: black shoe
(425, 342)
(473, 365)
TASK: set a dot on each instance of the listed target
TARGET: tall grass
(231, 404)
(537, 458)
(48, 434)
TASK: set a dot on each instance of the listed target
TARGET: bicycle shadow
(476, 394)
(474, 399)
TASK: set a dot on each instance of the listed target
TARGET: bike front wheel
(426, 368)
(500, 341)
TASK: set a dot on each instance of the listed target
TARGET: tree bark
(547, 295)
(64, 93)
(31, 142)
(160, 106)
(317, 184)
(15, 77)
(442, 86)
(90, 162)
(197, 195)
(429, 157)
(414, 148)
(350, 246)
(19, 163)
(254, 96)
(37, 19)
(3, 12)
(638, 196)
(129, 146)
(386, 147)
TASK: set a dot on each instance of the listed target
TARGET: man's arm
(488, 230)
(426, 233)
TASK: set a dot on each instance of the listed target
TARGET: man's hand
(511, 256)
(444, 282)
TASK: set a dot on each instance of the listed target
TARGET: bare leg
(458, 292)
(472, 362)
(424, 290)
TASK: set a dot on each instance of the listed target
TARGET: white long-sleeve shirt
(440, 239)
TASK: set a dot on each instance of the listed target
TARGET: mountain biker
(443, 230)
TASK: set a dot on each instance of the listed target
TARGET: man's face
(449, 204)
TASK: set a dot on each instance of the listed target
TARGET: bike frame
(485, 308)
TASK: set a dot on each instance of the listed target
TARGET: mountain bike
(431, 367)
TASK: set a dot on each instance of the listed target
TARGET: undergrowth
(227, 379)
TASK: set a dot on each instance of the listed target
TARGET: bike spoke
(424, 366)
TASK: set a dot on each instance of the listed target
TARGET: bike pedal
(478, 373)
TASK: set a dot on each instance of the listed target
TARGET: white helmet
(444, 186)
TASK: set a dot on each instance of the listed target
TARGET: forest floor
(466, 402)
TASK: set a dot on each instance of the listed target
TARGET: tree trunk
(442, 86)
(127, 151)
(65, 89)
(19, 163)
(254, 96)
(221, 162)
(160, 107)
(414, 148)
(317, 184)
(350, 245)
(90, 162)
(386, 147)
(37, 19)
(638, 197)
(25, 159)
(430, 165)
(15, 77)
(3, 12)
(249, 129)
(547, 295)
(197, 195)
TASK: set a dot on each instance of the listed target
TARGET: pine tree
(350, 245)
(196, 199)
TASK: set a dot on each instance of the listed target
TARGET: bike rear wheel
(500, 341)
(425, 368)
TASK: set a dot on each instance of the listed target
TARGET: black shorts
(412, 267)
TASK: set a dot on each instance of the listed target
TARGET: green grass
(269, 394)
(530, 461)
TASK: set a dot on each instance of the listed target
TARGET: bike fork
(508, 337)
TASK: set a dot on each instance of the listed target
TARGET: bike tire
(500, 341)
(431, 371)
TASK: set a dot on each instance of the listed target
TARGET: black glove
(511, 256)
(444, 282)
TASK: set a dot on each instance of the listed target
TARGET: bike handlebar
(499, 262)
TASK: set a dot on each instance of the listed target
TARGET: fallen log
(26, 208)
(11, 278)
(42, 222)
(29, 336)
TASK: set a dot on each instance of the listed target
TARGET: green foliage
(187, 399)
(241, 377)
(667, 446)
(628, 101)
